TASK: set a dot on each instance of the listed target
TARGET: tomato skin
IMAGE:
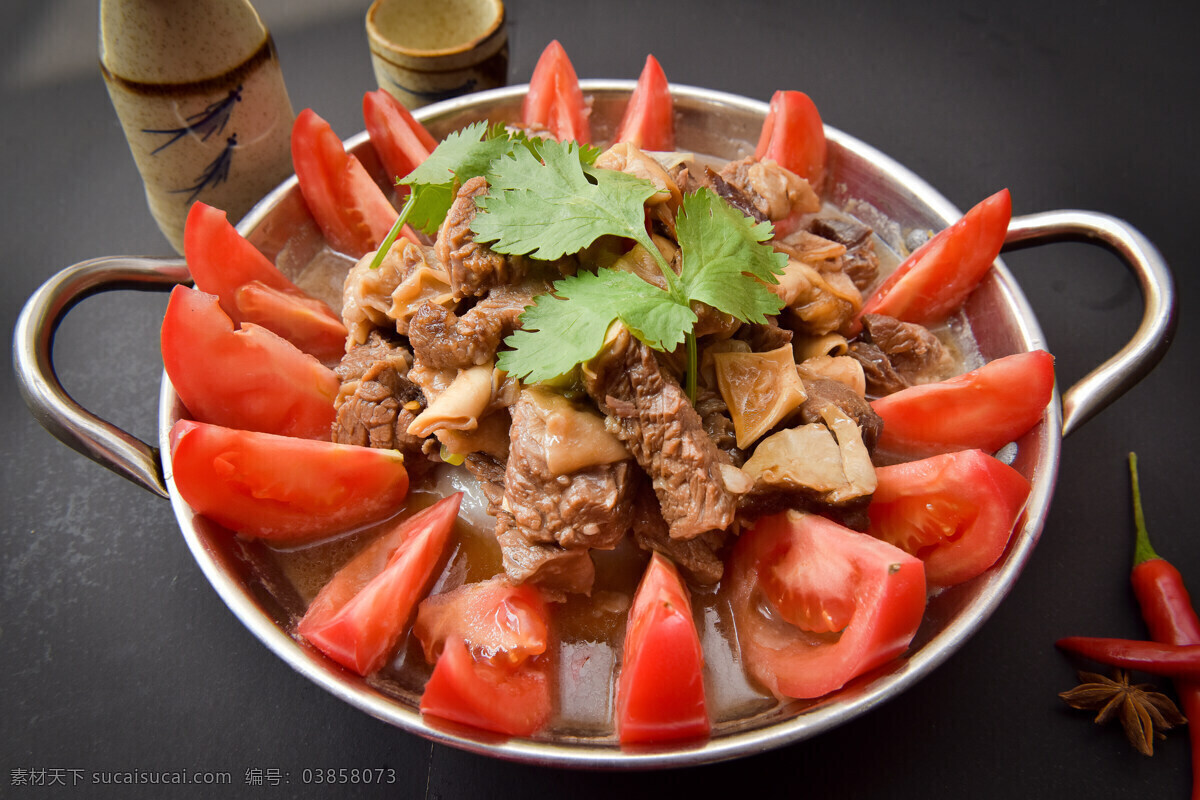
(400, 140)
(955, 511)
(497, 620)
(936, 279)
(250, 378)
(886, 585)
(282, 488)
(555, 101)
(649, 119)
(348, 206)
(793, 136)
(983, 409)
(252, 289)
(359, 616)
(660, 694)
(493, 697)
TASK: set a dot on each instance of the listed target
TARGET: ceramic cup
(197, 87)
(429, 50)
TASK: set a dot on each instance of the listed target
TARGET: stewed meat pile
(617, 450)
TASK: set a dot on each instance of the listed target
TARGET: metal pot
(875, 188)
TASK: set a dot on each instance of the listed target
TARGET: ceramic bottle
(200, 95)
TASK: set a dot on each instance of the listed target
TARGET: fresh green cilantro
(462, 155)
(564, 328)
(555, 205)
(721, 246)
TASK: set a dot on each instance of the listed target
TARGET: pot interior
(867, 185)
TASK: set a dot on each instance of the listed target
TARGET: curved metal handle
(33, 343)
(1114, 377)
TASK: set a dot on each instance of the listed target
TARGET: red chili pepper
(1156, 658)
(1168, 612)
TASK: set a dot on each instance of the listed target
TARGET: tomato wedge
(348, 206)
(793, 136)
(982, 409)
(649, 119)
(252, 289)
(250, 378)
(400, 140)
(282, 488)
(877, 589)
(555, 101)
(492, 671)
(513, 701)
(660, 695)
(936, 279)
(497, 620)
(359, 616)
(954, 511)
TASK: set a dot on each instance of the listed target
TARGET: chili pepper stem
(1142, 549)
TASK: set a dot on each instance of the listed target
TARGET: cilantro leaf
(550, 207)
(568, 327)
(721, 246)
(462, 155)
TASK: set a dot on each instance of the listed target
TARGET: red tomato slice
(884, 586)
(555, 101)
(984, 409)
(401, 142)
(282, 488)
(514, 701)
(649, 119)
(359, 616)
(936, 279)
(793, 136)
(660, 695)
(252, 289)
(249, 379)
(954, 511)
(348, 206)
(497, 620)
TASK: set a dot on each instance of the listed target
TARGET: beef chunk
(823, 391)
(734, 196)
(914, 352)
(589, 507)
(550, 566)
(696, 558)
(881, 377)
(473, 267)
(443, 340)
(377, 402)
(654, 419)
(860, 262)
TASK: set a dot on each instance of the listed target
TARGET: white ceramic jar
(197, 87)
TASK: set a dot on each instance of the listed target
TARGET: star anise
(1145, 713)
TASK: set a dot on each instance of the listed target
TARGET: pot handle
(1092, 393)
(33, 347)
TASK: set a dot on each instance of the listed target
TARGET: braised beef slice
(550, 566)
(654, 419)
(378, 401)
(473, 267)
(733, 195)
(590, 507)
(764, 337)
(881, 377)
(824, 391)
(860, 262)
(914, 351)
(696, 558)
(714, 414)
(758, 503)
(444, 340)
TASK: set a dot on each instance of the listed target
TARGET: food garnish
(1145, 713)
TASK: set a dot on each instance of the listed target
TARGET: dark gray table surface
(116, 655)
